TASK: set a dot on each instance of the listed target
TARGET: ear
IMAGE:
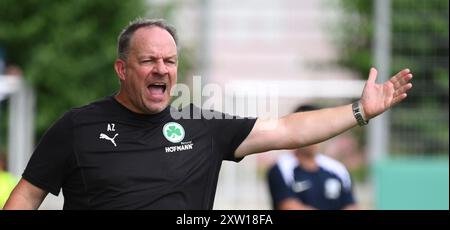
(121, 70)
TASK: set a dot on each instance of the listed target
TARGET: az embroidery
(109, 128)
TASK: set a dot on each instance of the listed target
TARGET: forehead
(153, 39)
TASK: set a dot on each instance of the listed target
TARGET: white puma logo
(104, 136)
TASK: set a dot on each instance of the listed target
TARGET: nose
(160, 67)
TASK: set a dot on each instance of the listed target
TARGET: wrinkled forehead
(153, 39)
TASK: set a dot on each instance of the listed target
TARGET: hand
(377, 98)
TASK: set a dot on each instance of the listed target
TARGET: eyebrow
(153, 57)
(173, 56)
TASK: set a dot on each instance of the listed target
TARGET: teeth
(163, 85)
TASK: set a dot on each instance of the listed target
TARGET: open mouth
(157, 88)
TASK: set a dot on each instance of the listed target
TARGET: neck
(126, 102)
(123, 100)
(307, 162)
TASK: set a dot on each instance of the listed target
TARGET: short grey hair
(123, 41)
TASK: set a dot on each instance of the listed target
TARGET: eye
(171, 61)
(147, 61)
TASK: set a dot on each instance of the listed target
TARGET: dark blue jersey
(328, 188)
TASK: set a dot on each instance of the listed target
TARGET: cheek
(173, 76)
(139, 77)
(134, 85)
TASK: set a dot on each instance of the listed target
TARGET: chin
(157, 107)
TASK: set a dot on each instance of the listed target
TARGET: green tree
(66, 48)
(419, 41)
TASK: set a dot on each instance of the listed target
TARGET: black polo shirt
(104, 156)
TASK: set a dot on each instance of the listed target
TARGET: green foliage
(355, 35)
(65, 48)
(419, 41)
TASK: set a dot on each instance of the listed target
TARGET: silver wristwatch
(358, 114)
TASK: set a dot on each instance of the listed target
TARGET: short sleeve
(279, 191)
(47, 165)
(347, 196)
(229, 132)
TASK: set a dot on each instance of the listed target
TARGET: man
(127, 152)
(306, 180)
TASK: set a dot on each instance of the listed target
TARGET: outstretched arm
(301, 129)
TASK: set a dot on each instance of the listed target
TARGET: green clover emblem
(173, 132)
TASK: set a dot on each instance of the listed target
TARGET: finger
(400, 82)
(398, 98)
(403, 72)
(399, 79)
(400, 75)
(372, 75)
(402, 89)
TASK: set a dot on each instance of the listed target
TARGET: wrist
(363, 113)
(358, 113)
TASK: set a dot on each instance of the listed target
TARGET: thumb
(372, 75)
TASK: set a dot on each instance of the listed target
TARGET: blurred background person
(7, 181)
(13, 70)
(308, 180)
